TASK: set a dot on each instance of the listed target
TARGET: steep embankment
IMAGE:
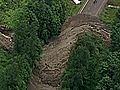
(47, 71)
(5, 37)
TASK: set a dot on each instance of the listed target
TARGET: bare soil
(47, 71)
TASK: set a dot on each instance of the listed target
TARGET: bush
(29, 19)
(109, 71)
(91, 66)
(15, 75)
(5, 5)
(115, 43)
(26, 40)
(51, 15)
(27, 48)
(58, 7)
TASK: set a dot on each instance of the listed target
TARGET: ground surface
(5, 39)
(46, 75)
(47, 71)
(73, 9)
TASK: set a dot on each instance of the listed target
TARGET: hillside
(47, 72)
(41, 50)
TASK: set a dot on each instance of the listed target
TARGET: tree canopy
(91, 66)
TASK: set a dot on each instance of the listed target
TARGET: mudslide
(47, 71)
(5, 37)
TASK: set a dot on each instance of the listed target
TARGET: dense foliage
(50, 15)
(116, 33)
(92, 65)
(27, 49)
(16, 74)
(49, 22)
(5, 5)
(109, 13)
(33, 22)
(26, 40)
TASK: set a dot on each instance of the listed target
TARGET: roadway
(92, 8)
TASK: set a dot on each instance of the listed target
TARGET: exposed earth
(5, 37)
(47, 71)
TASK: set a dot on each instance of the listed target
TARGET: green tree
(27, 48)
(81, 73)
(109, 70)
(91, 66)
(5, 5)
(16, 74)
(48, 21)
(58, 7)
(115, 43)
(26, 40)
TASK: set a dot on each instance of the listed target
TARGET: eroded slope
(47, 71)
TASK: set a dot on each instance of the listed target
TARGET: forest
(92, 64)
(33, 22)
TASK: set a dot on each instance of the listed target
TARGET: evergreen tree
(58, 7)
(26, 41)
(48, 21)
(27, 47)
(115, 43)
(16, 74)
(91, 66)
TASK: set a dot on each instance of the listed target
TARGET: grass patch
(114, 2)
(73, 9)
(109, 14)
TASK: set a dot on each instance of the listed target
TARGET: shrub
(115, 43)
(58, 7)
(27, 48)
(48, 21)
(15, 75)
(91, 66)
(5, 5)
(26, 40)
